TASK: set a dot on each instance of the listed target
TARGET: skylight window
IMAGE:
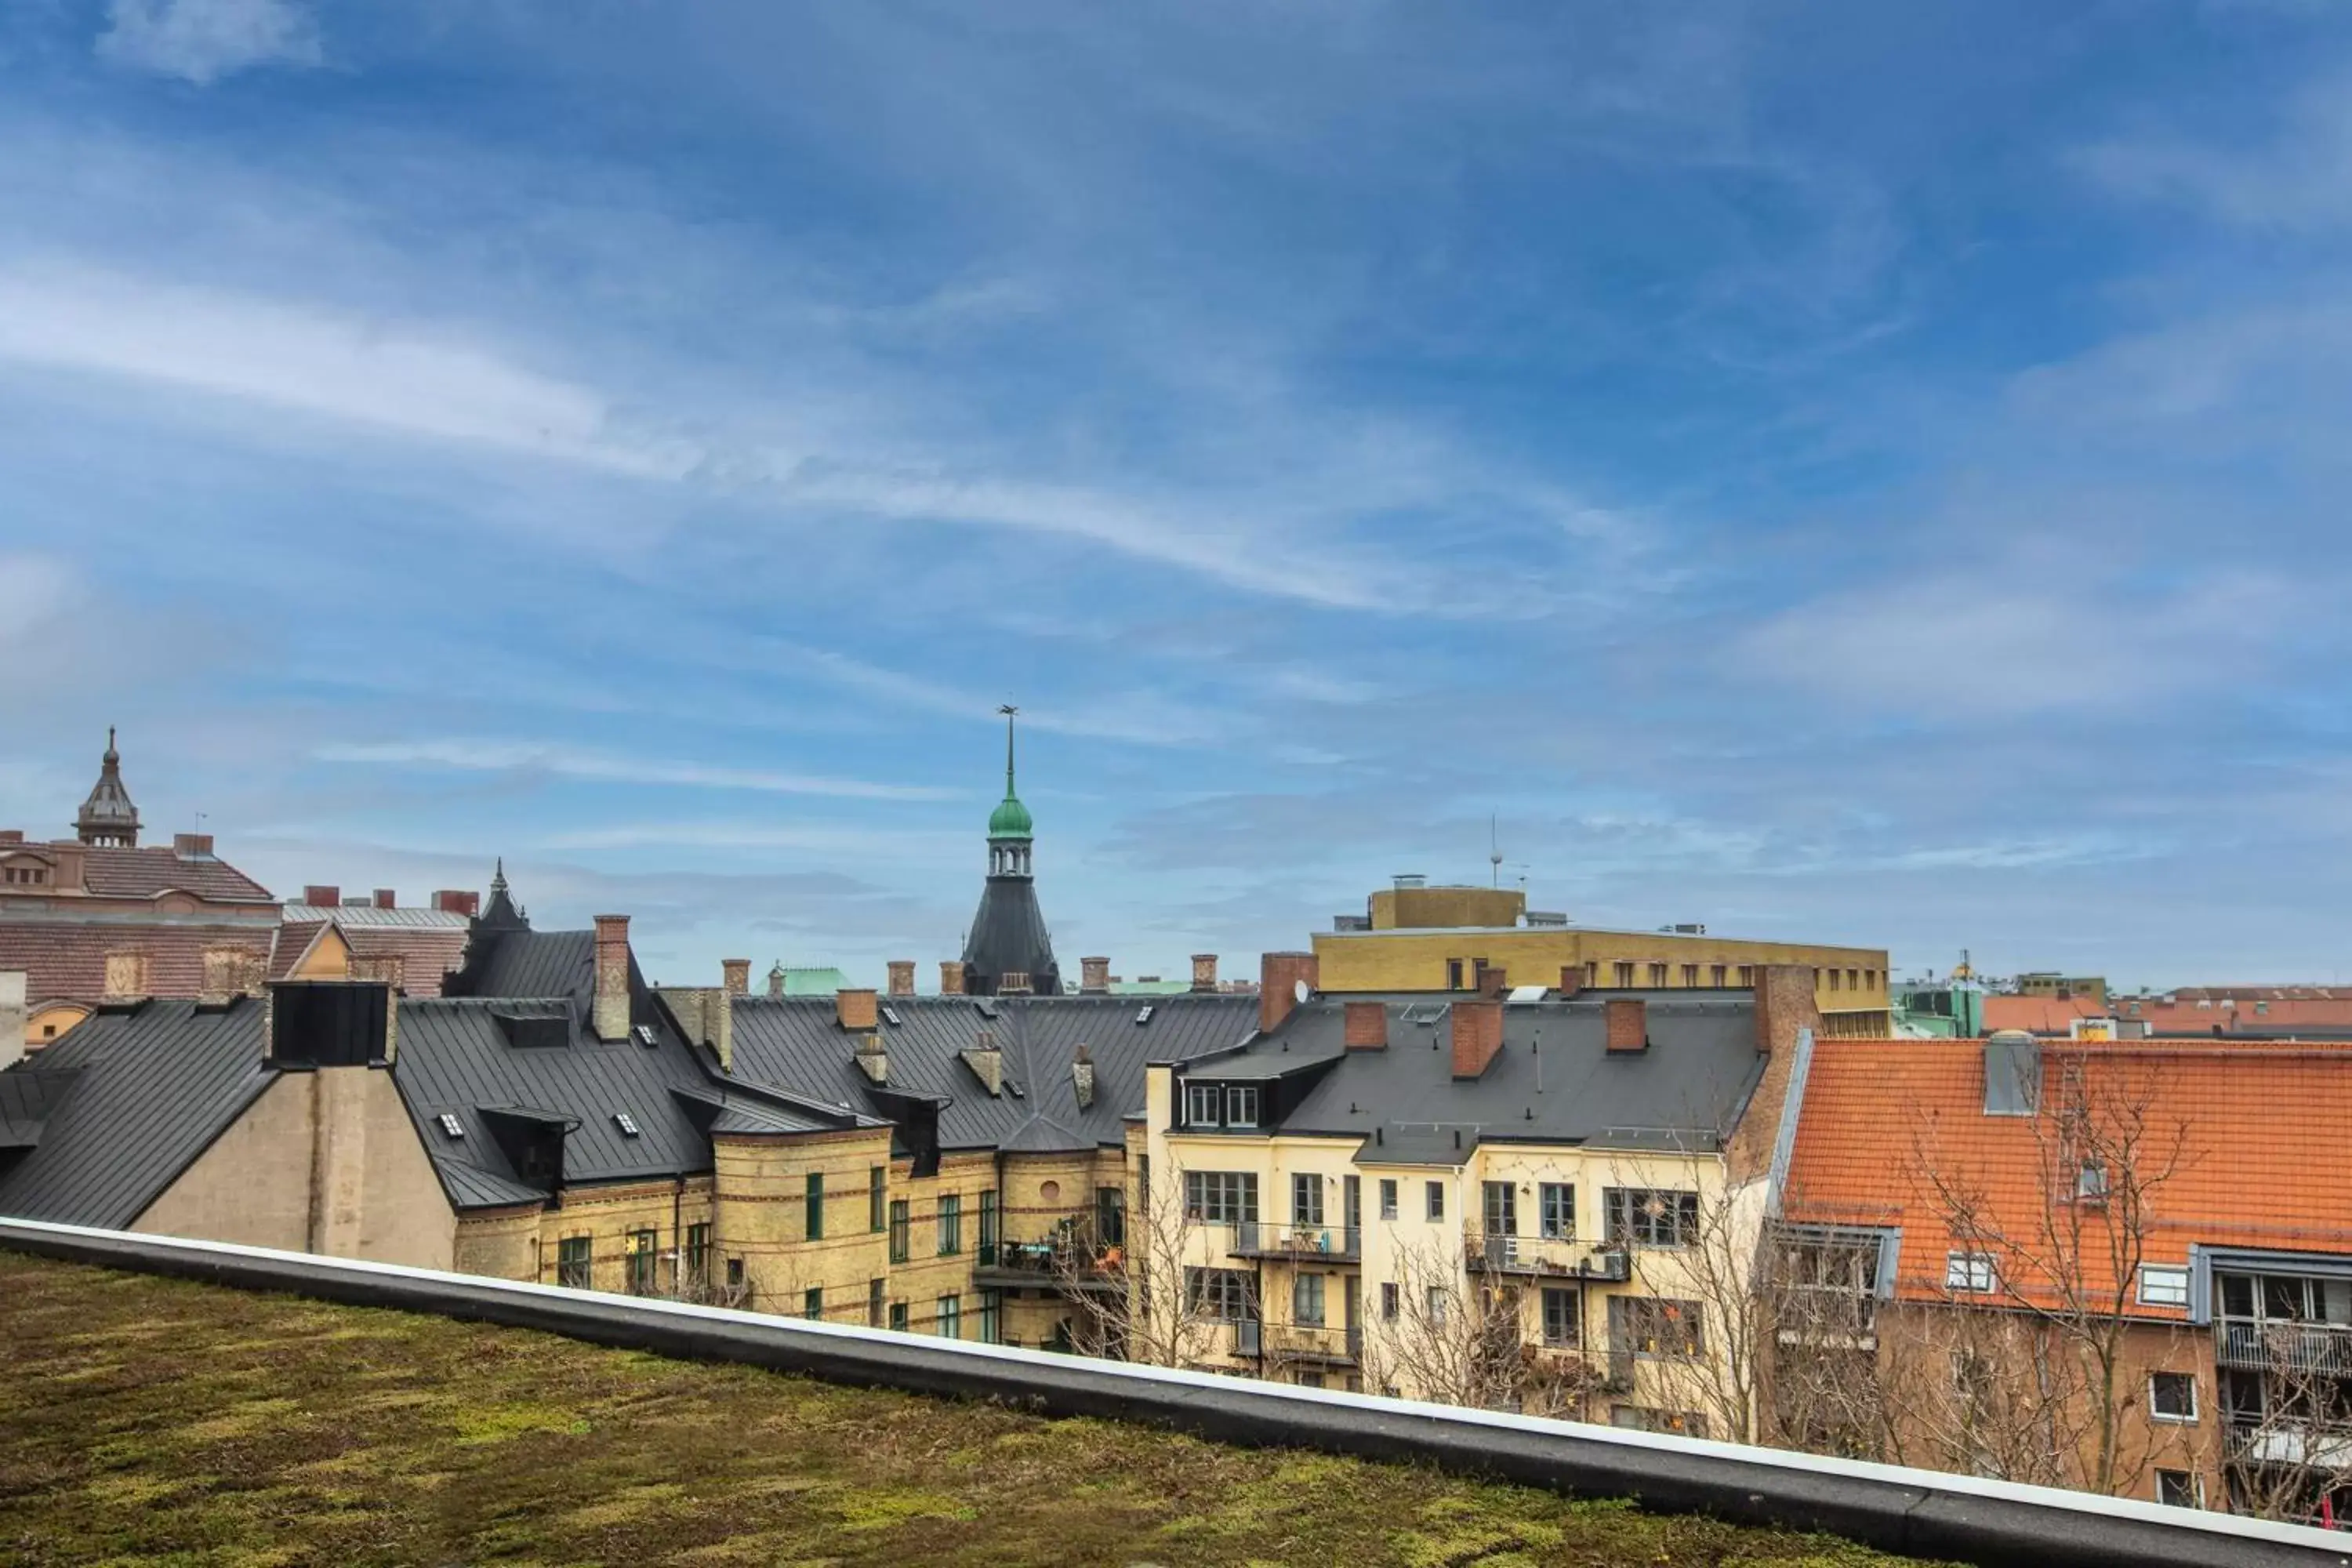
(645, 1033)
(1143, 1014)
(625, 1123)
(451, 1125)
(890, 1016)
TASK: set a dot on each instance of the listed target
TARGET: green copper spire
(1011, 818)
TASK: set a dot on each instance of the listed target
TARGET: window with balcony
(1829, 1280)
(1642, 1217)
(2172, 1397)
(988, 1226)
(1501, 1200)
(1656, 1326)
(1305, 1199)
(1306, 1301)
(1221, 1197)
(1642, 1418)
(1557, 1201)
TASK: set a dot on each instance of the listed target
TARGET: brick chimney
(1628, 1020)
(1493, 981)
(1784, 1004)
(902, 977)
(192, 846)
(776, 979)
(323, 895)
(707, 1014)
(1082, 1076)
(1478, 1029)
(871, 1059)
(987, 1063)
(1572, 979)
(735, 976)
(951, 977)
(1279, 974)
(457, 901)
(856, 1009)
(229, 973)
(1093, 976)
(1368, 1026)
(1204, 972)
(11, 835)
(385, 899)
(611, 1018)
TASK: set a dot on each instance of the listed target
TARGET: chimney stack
(458, 901)
(229, 973)
(1082, 1076)
(1628, 1020)
(902, 977)
(735, 976)
(321, 895)
(13, 1013)
(987, 1063)
(776, 978)
(951, 977)
(611, 1018)
(1493, 981)
(1280, 976)
(707, 1014)
(856, 1009)
(871, 1059)
(385, 899)
(192, 846)
(1204, 972)
(1784, 1004)
(1571, 980)
(1093, 976)
(1368, 1026)
(1477, 1028)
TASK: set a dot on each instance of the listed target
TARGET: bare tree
(2037, 1323)
(1456, 1338)
(1138, 1298)
(1693, 1249)
(2288, 1427)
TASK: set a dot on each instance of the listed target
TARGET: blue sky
(1855, 472)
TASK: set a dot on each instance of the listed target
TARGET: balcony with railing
(1560, 1257)
(1062, 1264)
(2320, 1349)
(1314, 1342)
(1310, 1243)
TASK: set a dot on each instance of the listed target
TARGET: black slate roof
(795, 1042)
(127, 1101)
(1685, 1092)
(1008, 937)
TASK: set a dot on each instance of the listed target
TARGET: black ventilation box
(329, 1023)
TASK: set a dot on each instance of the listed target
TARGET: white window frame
(2197, 1484)
(1550, 1222)
(2150, 1272)
(2158, 1416)
(1196, 1095)
(1241, 1102)
(1962, 1269)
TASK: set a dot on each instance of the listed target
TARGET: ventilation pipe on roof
(1082, 1077)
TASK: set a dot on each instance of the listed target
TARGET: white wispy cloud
(2298, 180)
(570, 761)
(203, 40)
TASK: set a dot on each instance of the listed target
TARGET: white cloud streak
(202, 40)
(573, 762)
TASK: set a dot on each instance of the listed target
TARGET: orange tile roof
(2260, 1128)
(2038, 1014)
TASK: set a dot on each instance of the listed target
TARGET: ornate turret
(108, 820)
(1008, 940)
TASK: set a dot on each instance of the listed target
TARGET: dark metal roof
(156, 1085)
(1686, 1091)
(1008, 937)
(794, 1043)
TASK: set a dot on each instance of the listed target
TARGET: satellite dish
(1298, 990)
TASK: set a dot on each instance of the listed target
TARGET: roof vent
(625, 1123)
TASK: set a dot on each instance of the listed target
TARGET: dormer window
(1202, 1103)
(1241, 1106)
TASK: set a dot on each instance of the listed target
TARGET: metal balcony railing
(1563, 1258)
(2322, 1348)
(1035, 1263)
(1314, 1341)
(1335, 1243)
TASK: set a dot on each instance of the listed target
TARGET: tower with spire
(107, 819)
(1008, 941)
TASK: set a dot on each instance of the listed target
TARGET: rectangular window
(1241, 1106)
(2161, 1284)
(1352, 1203)
(1656, 1326)
(698, 1254)
(1202, 1103)
(1310, 1380)
(1436, 1200)
(1641, 1216)
(1305, 1199)
(875, 1290)
(1221, 1197)
(813, 1303)
(1434, 1302)
(1389, 1308)
(1563, 1326)
(2172, 1397)
(1690, 975)
(992, 1316)
(1657, 976)
(1220, 1293)
(1454, 975)
(1623, 971)
(951, 1224)
(1501, 1208)
(951, 1316)
(1970, 1271)
(1306, 1299)
(645, 1262)
(900, 1226)
(574, 1265)
(815, 1211)
(1559, 1203)
(988, 1226)
(1833, 978)
(1747, 977)
(1716, 976)
(2179, 1488)
(898, 1316)
(1387, 1197)
(734, 1274)
(877, 1207)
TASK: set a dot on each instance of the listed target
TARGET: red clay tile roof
(2038, 1014)
(2183, 1015)
(2259, 1127)
(144, 873)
